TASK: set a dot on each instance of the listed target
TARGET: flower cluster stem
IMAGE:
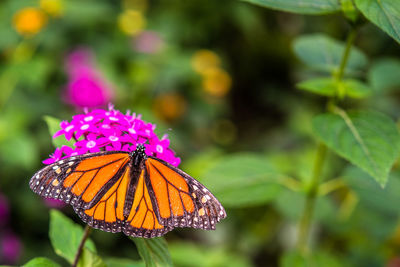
(305, 222)
(80, 248)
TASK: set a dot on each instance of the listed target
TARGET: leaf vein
(389, 18)
(356, 135)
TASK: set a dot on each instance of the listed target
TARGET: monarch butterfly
(133, 193)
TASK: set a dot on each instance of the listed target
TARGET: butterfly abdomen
(137, 160)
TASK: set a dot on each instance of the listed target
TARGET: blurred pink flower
(105, 130)
(10, 248)
(86, 86)
(79, 60)
(148, 42)
(88, 91)
(4, 212)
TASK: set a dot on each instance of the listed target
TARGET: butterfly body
(139, 195)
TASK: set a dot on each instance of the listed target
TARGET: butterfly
(129, 192)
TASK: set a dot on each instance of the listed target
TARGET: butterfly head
(140, 151)
(139, 154)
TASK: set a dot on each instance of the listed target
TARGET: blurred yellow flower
(131, 22)
(216, 82)
(204, 59)
(54, 8)
(29, 20)
(169, 106)
(140, 5)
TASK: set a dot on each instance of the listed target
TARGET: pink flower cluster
(86, 87)
(110, 130)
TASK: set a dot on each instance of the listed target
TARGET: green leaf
(319, 86)
(65, 236)
(41, 262)
(154, 251)
(354, 88)
(89, 258)
(375, 198)
(384, 74)
(383, 13)
(54, 125)
(331, 87)
(317, 258)
(369, 140)
(200, 162)
(118, 262)
(324, 211)
(193, 255)
(366, 221)
(324, 53)
(242, 180)
(311, 7)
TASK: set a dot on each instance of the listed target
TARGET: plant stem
(305, 222)
(349, 43)
(340, 90)
(80, 248)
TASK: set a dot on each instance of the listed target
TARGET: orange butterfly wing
(96, 182)
(82, 180)
(142, 219)
(99, 186)
(147, 201)
(180, 200)
(108, 213)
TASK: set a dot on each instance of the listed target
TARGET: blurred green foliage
(233, 115)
